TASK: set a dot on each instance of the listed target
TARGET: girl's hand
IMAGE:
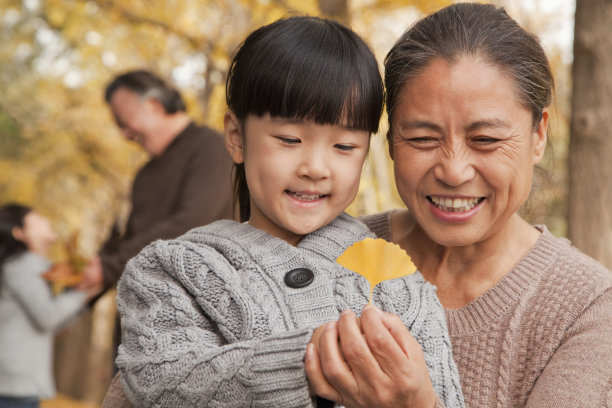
(314, 344)
(378, 364)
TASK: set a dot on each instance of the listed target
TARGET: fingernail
(373, 307)
(330, 325)
(346, 312)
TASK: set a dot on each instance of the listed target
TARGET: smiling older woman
(530, 317)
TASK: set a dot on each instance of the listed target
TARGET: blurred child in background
(29, 311)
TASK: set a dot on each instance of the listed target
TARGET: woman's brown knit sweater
(541, 337)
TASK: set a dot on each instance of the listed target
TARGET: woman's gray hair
(471, 29)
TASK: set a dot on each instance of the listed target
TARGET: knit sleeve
(186, 340)
(579, 373)
(423, 313)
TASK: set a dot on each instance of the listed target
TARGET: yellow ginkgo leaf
(377, 260)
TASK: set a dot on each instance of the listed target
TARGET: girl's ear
(233, 137)
(18, 234)
(540, 137)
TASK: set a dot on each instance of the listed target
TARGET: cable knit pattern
(208, 320)
(541, 337)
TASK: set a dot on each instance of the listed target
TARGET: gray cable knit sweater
(207, 319)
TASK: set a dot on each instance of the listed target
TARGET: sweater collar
(328, 242)
(522, 278)
(332, 240)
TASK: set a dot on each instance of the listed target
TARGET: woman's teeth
(305, 197)
(455, 204)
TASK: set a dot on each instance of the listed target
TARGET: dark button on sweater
(299, 278)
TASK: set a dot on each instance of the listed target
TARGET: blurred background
(61, 152)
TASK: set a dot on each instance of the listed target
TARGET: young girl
(222, 316)
(29, 313)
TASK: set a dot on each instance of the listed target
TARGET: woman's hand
(367, 362)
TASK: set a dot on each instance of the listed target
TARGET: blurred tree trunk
(83, 364)
(590, 151)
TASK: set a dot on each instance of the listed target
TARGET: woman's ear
(540, 137)
(233, 137)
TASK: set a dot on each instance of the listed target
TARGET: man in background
(185, 184)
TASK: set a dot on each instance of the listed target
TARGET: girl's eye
(344, 148)
(288, 140)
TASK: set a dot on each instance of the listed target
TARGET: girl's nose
(314, 165)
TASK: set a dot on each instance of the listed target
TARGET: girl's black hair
(11, 216)
(306, 68)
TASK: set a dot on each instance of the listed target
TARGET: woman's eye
(422, 142)
(344, 148)
(485, 140)
(421, 139)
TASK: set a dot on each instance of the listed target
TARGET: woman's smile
(457, 204)
(454, 209)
